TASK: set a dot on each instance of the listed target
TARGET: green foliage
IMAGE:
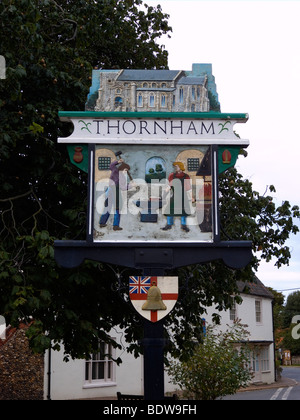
(213, 102)
(286, 331)
(247, 215)
(50, 49)
(291, 308)
(289, 341)
(216, 367)
(278, 308)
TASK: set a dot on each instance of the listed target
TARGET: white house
(256, 311)
(100, 377)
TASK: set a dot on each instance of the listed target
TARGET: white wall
(259, 332)
(246, 312)
(68, 378)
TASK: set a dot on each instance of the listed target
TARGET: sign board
(175, 128)
(153, 178)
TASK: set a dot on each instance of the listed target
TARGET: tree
(291, 308)
(278, 307)
(285, 322)
(50, 49)
(216, 367)
(247, 215)
(291, 339)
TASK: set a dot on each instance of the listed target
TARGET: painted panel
(157, 194)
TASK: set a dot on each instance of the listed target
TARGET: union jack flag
(139, 284)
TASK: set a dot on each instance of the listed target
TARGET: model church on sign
(154, 90)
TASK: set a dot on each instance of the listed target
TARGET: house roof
(160, 75)
(191, 80)
(256, 288)
(148, 75)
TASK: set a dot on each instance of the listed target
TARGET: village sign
(153, 152)
(149, 217)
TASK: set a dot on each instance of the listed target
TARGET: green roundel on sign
(227, 157)
(78, 154)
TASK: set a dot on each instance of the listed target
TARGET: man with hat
(117, 183)
(181, 192)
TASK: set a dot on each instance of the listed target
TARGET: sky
(254, 50)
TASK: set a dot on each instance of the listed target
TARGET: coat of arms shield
(153, 297)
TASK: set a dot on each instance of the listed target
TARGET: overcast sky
(254, 48)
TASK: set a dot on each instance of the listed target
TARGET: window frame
(265, 359)
(140, 101)
(233, 312)
(152, 100)
(181, 95)
(106, 357)
(258, 320)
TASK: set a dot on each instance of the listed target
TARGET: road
(281, 393)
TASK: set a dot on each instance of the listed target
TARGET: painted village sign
(153, 152)
(154, 180)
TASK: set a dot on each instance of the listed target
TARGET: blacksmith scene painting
(157, 193)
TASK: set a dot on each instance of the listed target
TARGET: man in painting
(181, 193)
(117, 183)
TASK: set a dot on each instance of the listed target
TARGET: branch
(75, 31)
(67, 20)
(16, 197)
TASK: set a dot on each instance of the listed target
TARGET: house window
(100, 368)
(104, 163)
(193, 94)
(151, 100)
(118, 101)
(258, 316)
(193, 164)
(254, 361)
(232, 312)
(264, 359)
(140, 100)
(181, 95)
(163, 101)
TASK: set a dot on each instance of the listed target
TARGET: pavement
(283, 382)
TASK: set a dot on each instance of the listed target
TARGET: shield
(153, 297)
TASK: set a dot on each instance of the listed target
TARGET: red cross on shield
(165, 287)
